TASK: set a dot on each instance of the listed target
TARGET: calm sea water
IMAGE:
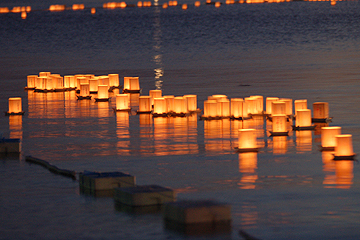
(289, 190)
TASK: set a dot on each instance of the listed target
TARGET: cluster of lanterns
(279, 111)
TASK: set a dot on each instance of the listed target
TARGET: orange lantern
(114, 80)
(103, 93)
(93, 85)
(15, 106)
(84, 90)
(122, 102)
(300, 104)
(159, 106)
(197, 4)
(303, 118)
(180, 106)
(191, 101)
(144, 104)
(236, 108)
(247, 140)
(328, 140)
(321, 111)
(269, 101)
(169, 103)
(155, 94)
(31, 81)
(288, 104)
(344, 147)
(210, 109)
(278, 107)
(279, 127)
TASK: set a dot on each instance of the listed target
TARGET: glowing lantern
(303, 118)
(40, 83)
(93, 10)
(344, 147)
(23, 15)
(57, 7)
(28, 8)
(210, 108)
(180, 106)
(104, 80)
(122, 102)
(224, 110)
(58, 82)
(31, 81)
(247, 140)
(165, 5)
(114, 80)
(197, 4)
(123, 5)
(300, 104)
(144, 104)
(217, 97)
(332, 3)
(191, 102)
(103, 93)
(49, 83)
(4, 10)
(84, 90)
(78, 6)
(236, 107)
(321, 110)
(217, 4)
(93, 85)
(159, 106)
(169, 103)
(279, 125)
(131, 84)
(288, 104)
(72, 81)
(44, 74)
(15, 105)
(184, 6)
(328, 134)
(155, 94)
(269, 101)
(139, 4)
(259, 104)
(278, 107)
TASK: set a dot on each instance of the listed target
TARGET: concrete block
(99, 181)
(144, 195)
(195, 212)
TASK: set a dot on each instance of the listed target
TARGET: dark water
(289, 190)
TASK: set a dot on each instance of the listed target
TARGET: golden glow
(93, 85)
(269, 101)
(103, 92)
(69, 81)
(169, 103)
(278, 107)
(122, 101)
(248, 166)
(159, 105)
(224, 108)
(155, 94)
(122, 5)
(217, 4)
(300, 104)
(23, 15)
(217, 135)
(78, 7)
(247, 139)
(49, 83)
(210, 108)
(165, 5)
(184, 6)
(40, 82)
(93, 10)
(236, 107)
(321, 110)
(44, 74)
(328, 136)
(197, 4)
(180, 105)
(139, 4)
(144, 104)
(4, 10)
(303, 118)
(15, 105)
(103, 80)
(259, 104)
(344, 146)
(57, 7)
(333, 2)
(15, 126)
(31, 81)
(288, 105)
(344, 174)
(328, 168)
(113, 79)
(280, 144)
(279, 123)
(304, 141)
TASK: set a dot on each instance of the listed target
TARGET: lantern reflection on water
(328, 140)
(279, 144)
(15, 126)
(344, 174)
(304, 141)
(247, 140)
(248, 166)
(344, 147)
(144, 104)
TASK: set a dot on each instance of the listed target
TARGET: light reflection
(159, 69)
(303, 141)
(328, 168)
(46, 105)
(103, 110)
(122, 132)
(15, 126)
(344, 173)
(217, 135)
(248, 166)
(280, 144)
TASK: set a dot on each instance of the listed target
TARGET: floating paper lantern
(210, 109)
(279, 125)
(159, 106)
(191, 101)
(122, 102)
(303, 118)
(44, 74)
(58, 82)
(78, 6)
(144, 104)
(197, 4)
(250, 105)
(288, 104)
(131, 84)
(114, 80)
(139, 4)
(84, 90)
(278, 107)
(217, 97)
(49, 83)
(40, 83)
(300, 104)
(259, 104)
(169, 103)
(155, 94)
(344, 147)
(321, 110)
(217, 4)
(224, 110)
(328, 140)
(236, 107)
(103, 93)
(23, 15)
(31, 81)
(269, 101)
(93, 85)
(93, 10)
(184, 6)
(15, 105)
(247, 140)
(180, 106)
(104, 80)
